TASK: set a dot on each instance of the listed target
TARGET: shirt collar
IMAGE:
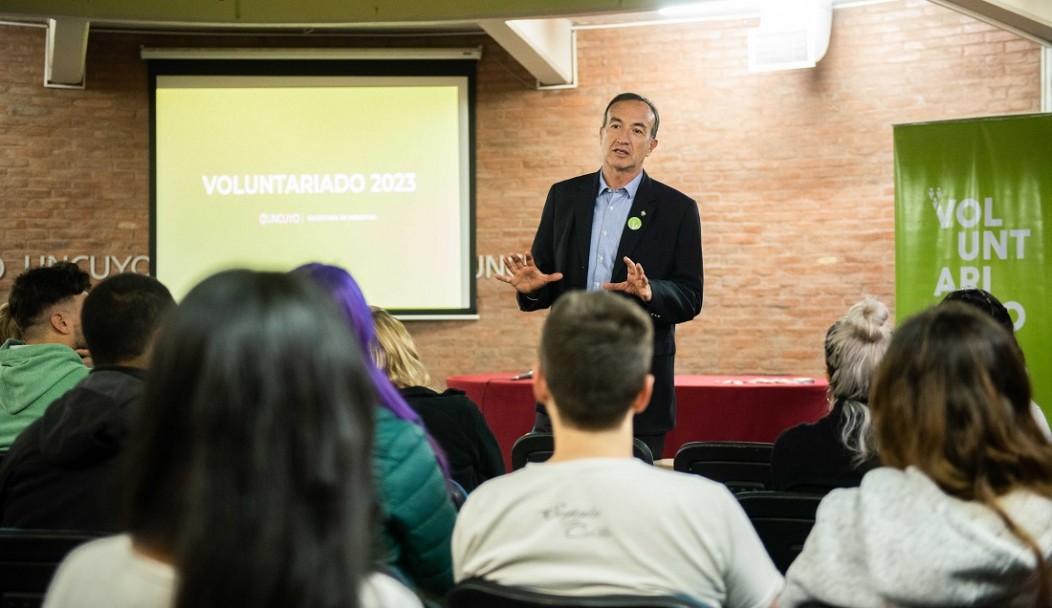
(630, 187)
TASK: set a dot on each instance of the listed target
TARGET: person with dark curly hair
(63, 471)
(989, 304)
(45, 303)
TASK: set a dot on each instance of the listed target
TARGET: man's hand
(85, 356)
(637, 283)
(524, 275)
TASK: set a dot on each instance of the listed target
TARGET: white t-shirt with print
(613, 525)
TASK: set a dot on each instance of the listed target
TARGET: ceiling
(537, 33)
(283, 13)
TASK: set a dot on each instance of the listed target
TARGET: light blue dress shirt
(608, 222)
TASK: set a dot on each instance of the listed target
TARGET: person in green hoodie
(45, 303)
(64, 470)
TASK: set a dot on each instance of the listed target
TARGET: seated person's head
(594, 360)
(250, 462)
(344, 291)
(8, 328)
(854, 346)
(984, 301)
(952, 397)
(395, 351)
(120, 317)
(46, 301)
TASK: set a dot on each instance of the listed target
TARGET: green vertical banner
(971, 198)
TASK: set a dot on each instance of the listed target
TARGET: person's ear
(642, 400)
(653, 144)
(540, 385)
(60, 322)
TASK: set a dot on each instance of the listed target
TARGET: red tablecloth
(723, 408)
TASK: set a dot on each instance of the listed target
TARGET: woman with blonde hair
(837, 450)
(8, 327)
(961, 513)
(451, 418)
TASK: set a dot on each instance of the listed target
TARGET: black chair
(28, 560)
(782, 520)
(479, 593)
(538, 447)
(740, 465)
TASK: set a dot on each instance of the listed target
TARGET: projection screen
(271, 164)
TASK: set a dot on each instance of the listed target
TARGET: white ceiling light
(713, 8)
(793, 34)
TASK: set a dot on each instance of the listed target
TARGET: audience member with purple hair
(410, 469)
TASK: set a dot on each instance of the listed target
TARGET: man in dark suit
(592, 222)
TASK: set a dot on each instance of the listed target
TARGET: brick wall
(792, 171)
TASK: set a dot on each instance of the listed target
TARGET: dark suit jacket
(668, 245)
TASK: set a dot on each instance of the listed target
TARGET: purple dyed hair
(352, 305)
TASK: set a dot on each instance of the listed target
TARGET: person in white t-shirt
(593, 520)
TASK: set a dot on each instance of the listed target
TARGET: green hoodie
(31, 377)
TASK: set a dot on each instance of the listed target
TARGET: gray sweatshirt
(898, 540)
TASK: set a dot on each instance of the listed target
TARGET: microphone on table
(523, 376)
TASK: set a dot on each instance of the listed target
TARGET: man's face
(625, 139)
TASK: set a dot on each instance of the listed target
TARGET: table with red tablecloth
(708, 408)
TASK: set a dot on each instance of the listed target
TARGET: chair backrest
(538, 447)
(479, 593)
(740, 465)
(782, 520)
(28, 560)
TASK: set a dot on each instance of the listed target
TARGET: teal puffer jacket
(418, 515)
